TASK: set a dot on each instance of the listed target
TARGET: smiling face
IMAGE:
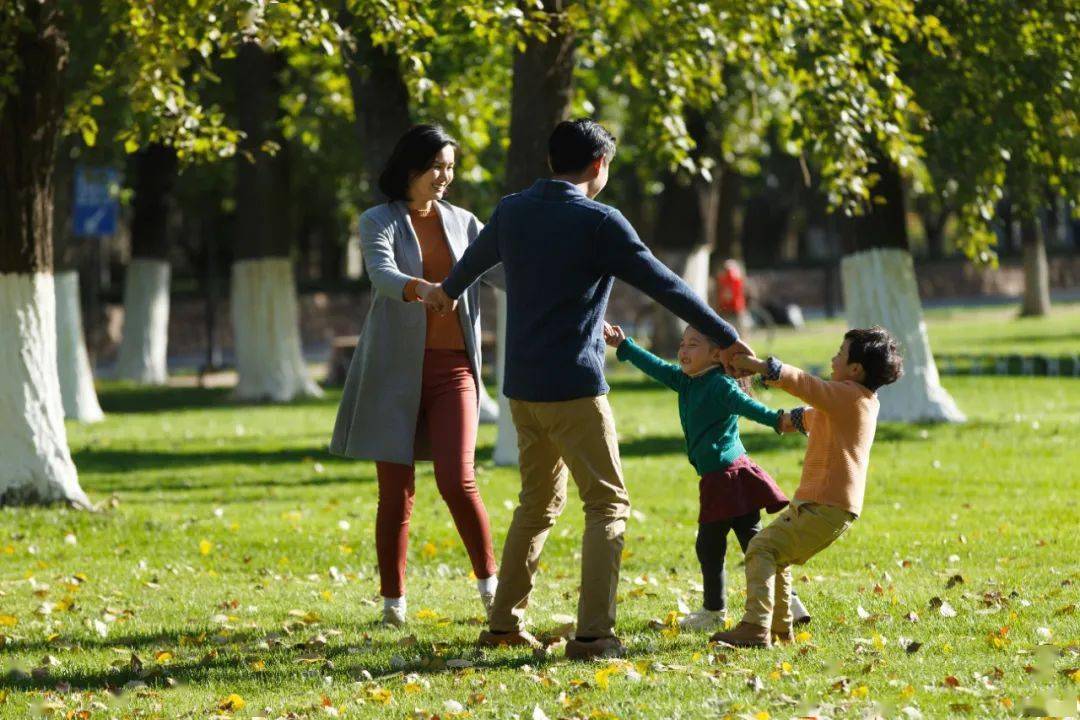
(696, 354)
(842, 369)
(431, 185)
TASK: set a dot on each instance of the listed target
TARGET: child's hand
(613, 335)
(787, 425)
(749, 363)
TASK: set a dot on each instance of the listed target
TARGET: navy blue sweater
(560, 251)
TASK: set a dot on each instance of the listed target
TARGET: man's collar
(550, 189)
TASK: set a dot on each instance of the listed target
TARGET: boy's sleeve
(646, 362)
(621, 253)
(739, 403)
(481, 255)
(825, 395)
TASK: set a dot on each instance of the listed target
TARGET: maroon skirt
(739, 489)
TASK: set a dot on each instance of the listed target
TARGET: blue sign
(96, 204)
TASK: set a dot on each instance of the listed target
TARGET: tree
(152, 51)
(879, 287)
(144, 343)
(265, 311)
(997, 84)
(77, 391)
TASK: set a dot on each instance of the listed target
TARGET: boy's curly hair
(876, 350)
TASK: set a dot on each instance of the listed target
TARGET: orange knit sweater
(841, 424)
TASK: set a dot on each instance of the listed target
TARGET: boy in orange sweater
(840, 423)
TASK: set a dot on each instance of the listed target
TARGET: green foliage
(1003, 111)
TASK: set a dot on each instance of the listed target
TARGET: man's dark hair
(575, 144)
(875, 349)
(414, 153)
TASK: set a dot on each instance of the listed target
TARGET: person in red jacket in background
(731, 294)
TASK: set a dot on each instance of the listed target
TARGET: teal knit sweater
(709, 408)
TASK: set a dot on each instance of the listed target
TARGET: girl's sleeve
(739, 403)
(666, 373)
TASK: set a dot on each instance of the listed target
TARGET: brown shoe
(508, 639)
(609, 647)
(744, 635)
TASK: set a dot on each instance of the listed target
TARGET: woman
(411, 391)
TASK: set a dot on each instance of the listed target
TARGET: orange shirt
(443, 331)
(841, 425)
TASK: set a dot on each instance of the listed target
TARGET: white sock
(398, 603)
(488, 585)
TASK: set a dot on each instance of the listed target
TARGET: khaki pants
(557, 439)
(799, 533)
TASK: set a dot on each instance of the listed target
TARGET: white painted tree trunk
(489, 406)
(145, 343)
(35, 462)
(77, 390)
(879, 289)
(693, 267)
(506, 442)
(266, 328)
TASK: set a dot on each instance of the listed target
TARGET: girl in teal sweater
(733, 490)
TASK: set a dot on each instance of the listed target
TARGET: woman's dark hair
(414, 153)
(875, 349)
(575, 144)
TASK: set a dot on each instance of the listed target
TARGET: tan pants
(799, 533)
(557, 439)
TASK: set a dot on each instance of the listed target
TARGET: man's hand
(748, 365)
(613, 335)
(736, 350)
(423, 289)
(439, 301)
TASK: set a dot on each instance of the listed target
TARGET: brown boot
(783, 634)
(744, 635)
(508, 639)
(609, 647)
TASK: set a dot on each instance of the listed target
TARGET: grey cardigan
(381, 400)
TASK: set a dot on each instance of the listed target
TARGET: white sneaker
(488, 601)
(799, 614)
(487, 588)
(393, 614)
(703, 620)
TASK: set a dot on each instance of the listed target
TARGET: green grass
(214, 568)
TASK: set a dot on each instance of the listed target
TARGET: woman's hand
(423, 289)
(748, 364)
(613, 335)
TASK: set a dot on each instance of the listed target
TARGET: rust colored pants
(448, 409)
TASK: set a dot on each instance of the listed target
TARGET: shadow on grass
(231, 662)
(131, 399)
(97, 460)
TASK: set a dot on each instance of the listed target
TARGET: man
(560, 250)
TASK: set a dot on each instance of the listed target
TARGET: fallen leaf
(9, 620)
(232, 703)
(951, 681)
(205, 546)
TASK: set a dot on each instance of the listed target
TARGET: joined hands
(435, 298)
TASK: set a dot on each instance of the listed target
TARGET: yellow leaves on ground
(9, 620)
(163, 656)
(427, 614)
(429, 550)
(205, 546)
(380, 695)
(258, 666)
(232, 703)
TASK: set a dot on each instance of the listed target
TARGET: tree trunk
(539, 100)
(77, 390)
(1036, 271)
(380, 101)
(685, 236)
(35, 462)
(265, 311)
(144, 344)
(879, 287)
